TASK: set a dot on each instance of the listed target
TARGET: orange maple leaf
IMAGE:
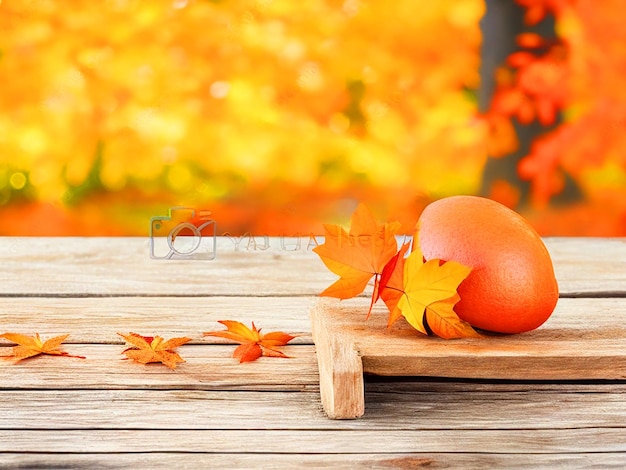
(254, 344)
(146, 349)
(358, 255)
(31, 346)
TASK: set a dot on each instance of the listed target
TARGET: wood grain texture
(340, 370)
(589, 266)
(122, 266)
(584, 351)
(105, 412)
(208, 367)
(96, 320)
(390, 409)
(539, 441)
(383, 461)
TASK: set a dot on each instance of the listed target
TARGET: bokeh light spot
(219, 89)
(179, 4)
(17, 180)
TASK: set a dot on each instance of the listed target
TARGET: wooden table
(212, 412)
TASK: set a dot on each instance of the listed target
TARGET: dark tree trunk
(503, 21)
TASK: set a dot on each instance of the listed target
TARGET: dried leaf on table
(31, 346)
(253, 343)
(146, 349)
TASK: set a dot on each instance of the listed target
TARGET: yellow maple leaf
(426, 290)
(445, 323)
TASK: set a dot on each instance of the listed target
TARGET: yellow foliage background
(275, 114)
(201, 102)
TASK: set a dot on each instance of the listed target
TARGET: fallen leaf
(392, 283)
(423, 292)
(31, 346)
(428, 288)
(357, 255)
(445, 323)
(254, 344)
(146, 349)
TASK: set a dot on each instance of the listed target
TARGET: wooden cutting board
(584, 339)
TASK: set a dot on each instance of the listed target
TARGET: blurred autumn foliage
(277, 115)
(572, 85)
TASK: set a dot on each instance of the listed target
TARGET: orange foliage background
(578, 75)
(279, 115)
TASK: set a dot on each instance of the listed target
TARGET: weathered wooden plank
(96, 320)
(212, 404)
(208, 367)
(383, 461)
(406, 410)
(515, 441)
(341, 371)
(590, 326)
(589, 266)
(122, 266)
(588, 351)
(580, 349)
